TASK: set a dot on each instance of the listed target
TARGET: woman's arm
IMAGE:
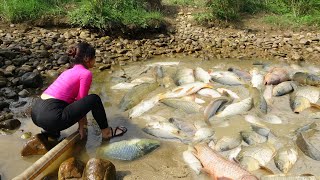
(85, 83)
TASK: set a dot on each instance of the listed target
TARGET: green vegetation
(89, 13)
(200, 3)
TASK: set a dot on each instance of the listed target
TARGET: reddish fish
(276, 76)
(218, 167)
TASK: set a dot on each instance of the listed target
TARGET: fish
(309, 92)
(232, 154)
(257, 78)
(192, 161)
(187, 127)
(203, 133)
(172, 63)
(186, 89)
(128, 150)
(123, 85)
(193, 98)
(276, 76)
(236, 108)
(135, 95)
(144, 106)
(165, 130)
(259, 102)
(253, 119)
(272, 119)
(288, 177)
(263, 153)
(267, 94)
(306, 79)
(284, 88)
(228, 92)
(243, 74)
(251, 137)
(249, 163)
(159, 71)
(226, 78)
(186, 106)
(184, 76)
(261, 129)
(202, 75)
(308, 142)
(299, 103)
(315, 115)
(207, 92)
(214, 106)
(227, 143)
(219, 167)
(285, 158)
(141, 80)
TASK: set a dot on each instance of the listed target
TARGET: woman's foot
(109, 133)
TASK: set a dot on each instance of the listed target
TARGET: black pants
(55, 115)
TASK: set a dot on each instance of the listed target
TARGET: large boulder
(99, 169)
(37, 145)
(31, 80)
(70, 168)
(10, 124)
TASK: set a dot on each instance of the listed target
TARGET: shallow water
(165, 162)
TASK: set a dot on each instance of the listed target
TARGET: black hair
(80, 52)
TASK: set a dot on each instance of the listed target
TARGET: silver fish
(184, 76)
(308, 142)
(214, 106)
(309, 92)
(257, 79)
(227, 143)
(251, 137)
(192, 160)
(186, 89)
(187, 127)
(187, 106)
(129, 149)
(226, 77)
(202, 75)
(285, 159)
(144, 106)
(207, 92)
(284, 88)
(236, 108)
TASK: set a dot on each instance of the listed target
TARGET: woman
(66, 101)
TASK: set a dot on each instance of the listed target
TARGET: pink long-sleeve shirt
(73, 84)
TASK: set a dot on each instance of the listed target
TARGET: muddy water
(166, 162)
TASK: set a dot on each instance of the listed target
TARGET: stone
(37, 145)
(104, 67)
(9, 93)
(10, 124)
(52, 73)
(63, 60)
(31, 80)
(8, 54)
(99, 169)
(18, 104)
(24, 93)
(3, 82)
(70, 168)
(3, 105)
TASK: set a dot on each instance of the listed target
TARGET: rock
(304, 42)
(3, 105)
(99, 169)
(63, 60)
(70, 168)
(37, 145)
(24, 93)
(104, 67)
(52, 73)
(10, 69)
(9, 93)
(10, 124)
(8, 54)
(3, 82)
(31, 80)
(296, 57)
(18, 104)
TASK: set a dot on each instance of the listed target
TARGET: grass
(199, 3)
(291, 21)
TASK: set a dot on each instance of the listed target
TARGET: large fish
(144, 106)
(236, 108)
(228, 92)
(184, 76)
(243, 74)
(219, 167)
(165, 130)
(214, 106)
(306, 78)
(309, 92)
(251, 137)
(285, 159)
(191, 160)
(186, 89)
(202, 75)
(187, 106)
(267, 94)
(207, 92)
(123, 85)
(263, 153)
(136, 94)
(226, 78)
(187, 127)
(257, 78)
(276, 76)
(284, 88)
(309, 144)
(259, 102)
(128, 149)
(299, 103)
(227, 143)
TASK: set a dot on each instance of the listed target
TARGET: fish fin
(315, 105)
(266, 169)
(189, 90)
(177, 90)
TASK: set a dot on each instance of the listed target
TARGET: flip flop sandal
(122, 130)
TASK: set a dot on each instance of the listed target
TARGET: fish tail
(314, 105)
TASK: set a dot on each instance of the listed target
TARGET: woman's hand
(83, 127)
